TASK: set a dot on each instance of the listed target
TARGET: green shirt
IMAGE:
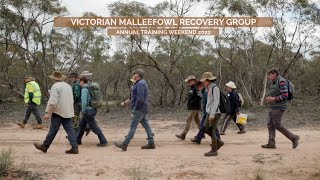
(76, 88)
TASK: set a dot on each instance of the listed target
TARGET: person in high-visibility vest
(32, 97)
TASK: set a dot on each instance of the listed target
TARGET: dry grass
(9, 170)
(6, 161)
(139, 173)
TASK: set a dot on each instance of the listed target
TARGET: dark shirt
(233, 102)
(139, 96)
(76, 88)
(194, 100)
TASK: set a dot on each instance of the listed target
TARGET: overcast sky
(99, 7)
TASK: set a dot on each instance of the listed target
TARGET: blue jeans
(139, 117)
(201, 132)
(56, 121)
(88, 118)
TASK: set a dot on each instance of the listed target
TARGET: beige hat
(191, 77)
(207, 76)
(57, 75)
(231, 85)
(86, 74)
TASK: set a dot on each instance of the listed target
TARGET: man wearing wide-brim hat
(234, 103)
(213, 111)
(60, 110)
(193, 104)
(86, 74)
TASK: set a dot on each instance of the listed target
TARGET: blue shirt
(139, 96)
(85, 98)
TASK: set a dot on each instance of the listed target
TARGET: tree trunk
(265, 81)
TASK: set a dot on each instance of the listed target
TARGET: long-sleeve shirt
(76, 88)
(204, 100)
(61, 98)
(139, 96)
(213, 100)
(279, 90)
(233, 99)
(85, 98)
(194, 100)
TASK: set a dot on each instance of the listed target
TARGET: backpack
(96, 96)
(290, 89)
(241, 100)
(224, 104)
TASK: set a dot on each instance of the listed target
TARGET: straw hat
(231, 85)
(58, 76)
(189, 78)
(208, 76)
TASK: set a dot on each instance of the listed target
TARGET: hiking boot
(72, 151)
(212, 152)
(222, 133)
(269, 146)
(195, 140)
(219, 144)
(242, 132)
(39, 126)
(102, 144)
(40, 147)
(148, 146)
(21, 124)
(87, 130)
(121, 145)
(181, 136)
(295, 142)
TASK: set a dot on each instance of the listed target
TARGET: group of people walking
(205, 96)
(68, 102)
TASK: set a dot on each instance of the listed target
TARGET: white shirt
(61, 97)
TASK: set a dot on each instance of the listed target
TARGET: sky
(99, 7)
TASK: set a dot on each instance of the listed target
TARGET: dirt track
(240, 158)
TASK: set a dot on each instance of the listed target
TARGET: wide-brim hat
(57, 75)
(208, 76)
(189, 78)
(231, 85)
(86, 74)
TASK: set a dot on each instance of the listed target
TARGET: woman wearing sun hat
(234, 103)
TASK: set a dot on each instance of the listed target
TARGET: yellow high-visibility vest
(36, 93)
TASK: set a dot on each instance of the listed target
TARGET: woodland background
(29, 45)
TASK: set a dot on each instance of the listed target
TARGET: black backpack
(224, 104)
